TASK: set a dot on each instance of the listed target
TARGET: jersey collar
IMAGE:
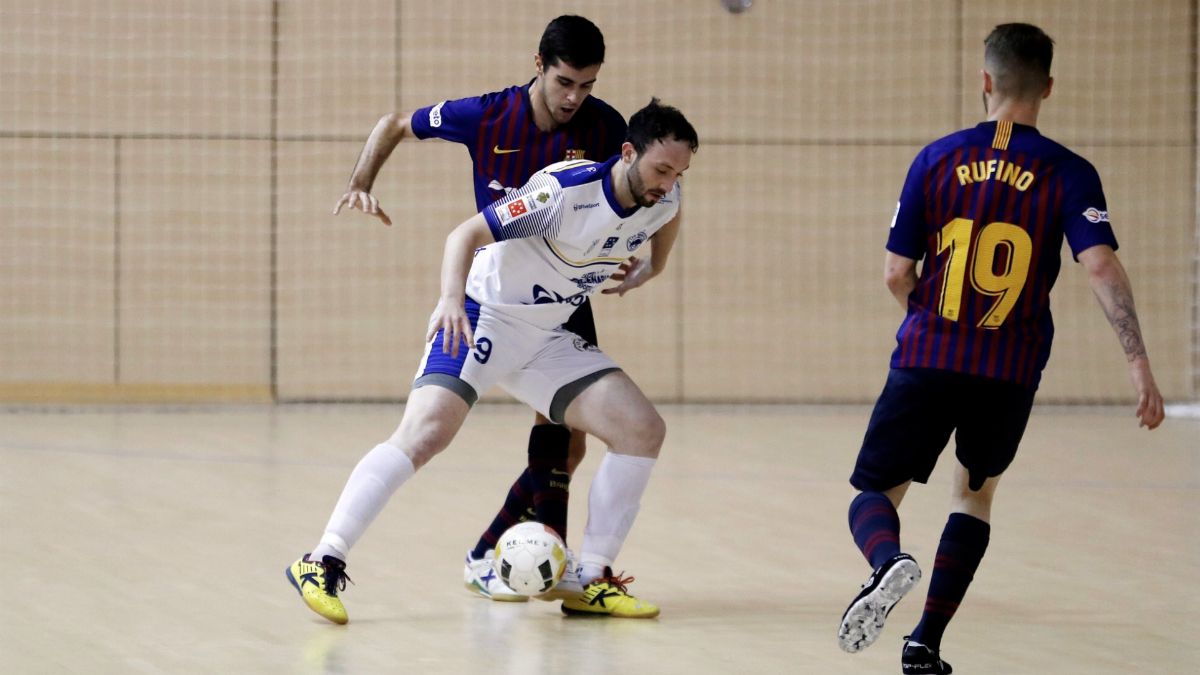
(609, 192)
(991, 126)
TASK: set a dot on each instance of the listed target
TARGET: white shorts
(545, 369)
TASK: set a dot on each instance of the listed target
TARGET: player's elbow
(1101, 263)
(897, 280)
(899, 273)
(395, 123)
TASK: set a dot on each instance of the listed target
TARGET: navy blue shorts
(583, 324)
(919, 409)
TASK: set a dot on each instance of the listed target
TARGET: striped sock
(518, 506)
(875, 526)
(963, 544)
(548, 445)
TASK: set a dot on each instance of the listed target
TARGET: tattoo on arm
(1123, 318)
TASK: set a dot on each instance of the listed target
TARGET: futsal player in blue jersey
(987, 209)
(511, 276)
(511, 134)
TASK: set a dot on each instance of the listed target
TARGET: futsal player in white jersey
(511, 275)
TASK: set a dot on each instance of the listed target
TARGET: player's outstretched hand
(363, 201)
(451, 318)
(632, 273)
(1150, 401)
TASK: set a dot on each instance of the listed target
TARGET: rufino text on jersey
(994, 169)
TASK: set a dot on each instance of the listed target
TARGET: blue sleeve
(908, 233)
(1085, 211)
(456, 121)
(531, 211)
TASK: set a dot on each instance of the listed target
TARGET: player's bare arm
(1110, 284)
(900, 275)
(388, 132)
(636, 271)
(450, 315)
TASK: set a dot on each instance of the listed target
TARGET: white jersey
(559, 238)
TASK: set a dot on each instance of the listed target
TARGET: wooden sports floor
(154, 541)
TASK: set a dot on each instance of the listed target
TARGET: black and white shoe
(917, 659)
(863, 620)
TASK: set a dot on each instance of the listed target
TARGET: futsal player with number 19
(987, 208)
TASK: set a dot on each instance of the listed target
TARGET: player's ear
(1049, 86)
(627, 151)
(987, 81)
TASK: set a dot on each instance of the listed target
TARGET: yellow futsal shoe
(607, 596)
(319, 583)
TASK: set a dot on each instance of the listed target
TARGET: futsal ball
(530, 558)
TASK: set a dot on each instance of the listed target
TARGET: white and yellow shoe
(318, 583)
(569, 586)
(608, 596)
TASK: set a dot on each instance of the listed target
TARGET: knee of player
(420, 447)
(651, 429)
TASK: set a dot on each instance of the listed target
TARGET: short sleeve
(456, 121)
(533, 210)
(1085, 211)
(908, 232)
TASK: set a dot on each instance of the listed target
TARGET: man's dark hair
(658, 122)
(573, 40)
(1018, 56)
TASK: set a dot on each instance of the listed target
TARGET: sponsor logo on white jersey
(542, 296)
(515, 208)
(583, 345)
(590, 280)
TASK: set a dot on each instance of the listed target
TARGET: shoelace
(335, 580)
(617, 580)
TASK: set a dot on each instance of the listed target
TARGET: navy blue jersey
(506, 146)
(987, 209)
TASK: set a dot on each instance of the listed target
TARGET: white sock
(613, 502)
(378, 474)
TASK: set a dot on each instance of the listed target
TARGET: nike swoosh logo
(499, 151)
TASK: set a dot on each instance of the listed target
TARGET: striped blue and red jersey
(506, 146)
(987, 209)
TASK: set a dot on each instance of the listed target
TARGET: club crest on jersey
(608, 245)
(573, 153)
(435, 115)
(1095, 215)
(635, 241)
